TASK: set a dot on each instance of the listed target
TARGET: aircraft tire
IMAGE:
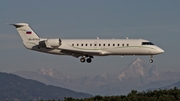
(82, 60)
(89, 60)
(151, 60)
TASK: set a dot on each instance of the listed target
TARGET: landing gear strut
(151, 60)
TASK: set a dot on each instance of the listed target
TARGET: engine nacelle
(53, 43)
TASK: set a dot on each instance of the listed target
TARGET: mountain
(138, 69)
(51, 72)
(171, 86)
(177, 84)
(44, 75)
(15, 88)
(137, 75)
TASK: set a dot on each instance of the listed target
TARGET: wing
(77, 53)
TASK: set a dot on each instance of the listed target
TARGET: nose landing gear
(151, 60)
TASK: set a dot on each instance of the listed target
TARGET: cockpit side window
(147, 43)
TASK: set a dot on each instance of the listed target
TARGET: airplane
(86, 48)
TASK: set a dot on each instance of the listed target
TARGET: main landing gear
(88, 60)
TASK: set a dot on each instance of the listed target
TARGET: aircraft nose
(161, 50)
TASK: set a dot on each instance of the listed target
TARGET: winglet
(19, 24)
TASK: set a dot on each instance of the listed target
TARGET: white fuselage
(101, 46)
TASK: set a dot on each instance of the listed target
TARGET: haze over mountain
(137, 75)
(15, 88)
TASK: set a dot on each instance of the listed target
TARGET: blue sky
(157, 21)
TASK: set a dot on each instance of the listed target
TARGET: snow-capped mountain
(153, 71)
(51, 72)
(137, 75)
(136, 69)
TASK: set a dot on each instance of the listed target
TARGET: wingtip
(10, 24)
(16, 23)
(7, 24)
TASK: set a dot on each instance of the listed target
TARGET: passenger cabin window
(77, 44)
(72, 44)
(117, 44)
(108, 44)
(81, 44)
(127, 44)
(94, 44)
(147, 43)
(113, 44)
(122, 44)
(90, 44)
(99, 44)
(86, 44)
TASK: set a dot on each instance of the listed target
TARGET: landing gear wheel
(89, 60)
(82, 60)
(151, 60)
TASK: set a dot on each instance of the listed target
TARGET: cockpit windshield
(147, 43)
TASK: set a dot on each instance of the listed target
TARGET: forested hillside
(156, 95)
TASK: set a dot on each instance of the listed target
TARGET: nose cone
(161, 50)
(156, 50)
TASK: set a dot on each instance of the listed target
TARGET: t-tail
(27, 34)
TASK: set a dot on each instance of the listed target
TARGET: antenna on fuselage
(127, 38)
(97, 37)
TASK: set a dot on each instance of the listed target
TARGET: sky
(155, 20)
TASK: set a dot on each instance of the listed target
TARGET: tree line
(134, 95)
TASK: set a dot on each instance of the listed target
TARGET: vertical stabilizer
(25, 31)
